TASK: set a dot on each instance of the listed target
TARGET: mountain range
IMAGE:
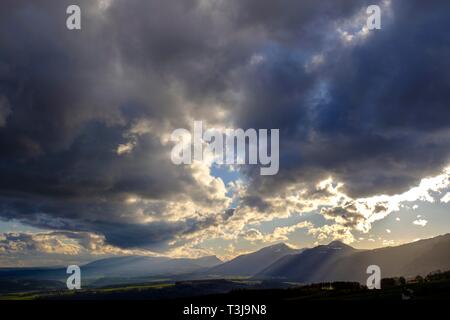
(333, 262)
(118, 267)
(340, 262)
(140, 266)
(252, 263)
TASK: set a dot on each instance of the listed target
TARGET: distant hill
(252, 263)
(138, 266)
(39, 273)
(126, 266)
(325, 263)
(307, 266)
(339, 262)
(416, 258)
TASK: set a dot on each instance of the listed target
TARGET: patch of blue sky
(17, 226)
(225, 173)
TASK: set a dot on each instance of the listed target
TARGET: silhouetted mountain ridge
(138, 266)
(306, 265)
(340, 262)
(119, 267)
(324, 263)
(251, 263)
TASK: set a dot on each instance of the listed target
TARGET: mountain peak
(277, 247)
(252, 263)
(211, 259)
(337, 244)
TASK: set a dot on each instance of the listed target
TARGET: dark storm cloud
(347, 215)
(67, 101)
(374, 114)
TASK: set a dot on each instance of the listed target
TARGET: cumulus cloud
(56, 248)
(420, 222)
(446, 198)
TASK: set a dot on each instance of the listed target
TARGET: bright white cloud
(420, 222)
(446, 198)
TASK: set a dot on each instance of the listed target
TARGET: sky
(86, 118)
